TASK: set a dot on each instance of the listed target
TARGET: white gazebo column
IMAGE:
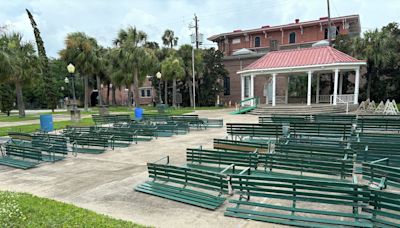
(252, 88)
(340, 83)
(356, 85)
(273, 89)
(335, 86)
(317, 90)
(242, 78)
(309, 88)
(287, 91)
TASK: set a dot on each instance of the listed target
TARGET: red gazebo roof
(302, 57)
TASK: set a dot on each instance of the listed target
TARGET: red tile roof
(302, 57)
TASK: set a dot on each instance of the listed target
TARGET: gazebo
(312, 61)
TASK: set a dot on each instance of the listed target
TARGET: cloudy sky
(103, 18)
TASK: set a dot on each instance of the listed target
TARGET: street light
(158, 75)
(71, 71)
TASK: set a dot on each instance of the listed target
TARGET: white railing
(349, 98)
(278, 100)
(324, 98)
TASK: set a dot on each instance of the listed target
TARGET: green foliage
(169, 39)
(7, 98)
(18, 64)
(172, 68)
(49, 90)
(381, 49)
(213, 71)
(26, 210)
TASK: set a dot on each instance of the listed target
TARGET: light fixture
(158, 75)
(71, 68)
(66, 80)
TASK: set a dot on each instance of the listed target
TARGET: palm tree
(81, 50)
(172, 68)
(18, 63)
(169, 38)
(131, 60)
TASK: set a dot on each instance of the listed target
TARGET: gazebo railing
(325, 99)
(349, 98)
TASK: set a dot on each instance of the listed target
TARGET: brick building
(243, 47)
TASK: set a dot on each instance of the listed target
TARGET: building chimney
(297, 21)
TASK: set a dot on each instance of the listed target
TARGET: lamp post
(158, 75)
(75, 115)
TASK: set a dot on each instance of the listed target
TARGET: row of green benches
(289, 201)
(276, 131)
(362, 123)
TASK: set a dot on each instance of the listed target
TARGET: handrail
(249, 99)
(254, 102)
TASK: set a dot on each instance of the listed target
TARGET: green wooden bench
(122, 137)
(166, 130)
(323, 130)
(328, 142)
(91, 143)
(381, 171)
(299, 202)
(182, 128)
(335, 118)
(193, 120)
(371, 151)
(385, 208)
(19, 157)
(144, 132)
(200, 156)
(57, 145)
(254, 131)
(376, 124)
(99, 120)
(151, 118)
(244, 146)
(376, 137)
(312, 159)
(213, 123)
(285, 119)
(20, 136)
(187, 185)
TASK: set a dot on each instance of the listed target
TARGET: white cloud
(103, 18)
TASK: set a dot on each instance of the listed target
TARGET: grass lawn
(34, 127)
(26, 210)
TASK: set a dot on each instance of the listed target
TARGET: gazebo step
(301, 109)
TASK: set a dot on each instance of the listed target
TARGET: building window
(227, 85)
(274, 45)
(337, 30)
(145, 93)
(326, 33)
(292, 38)
(236, 41)
(257, 41)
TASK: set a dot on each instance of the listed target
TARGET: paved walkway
(104, 183)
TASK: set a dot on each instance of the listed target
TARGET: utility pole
(329, 24)
(196, 26)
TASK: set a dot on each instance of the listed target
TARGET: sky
(102, 19)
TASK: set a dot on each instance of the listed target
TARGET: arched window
(257, 41)
(292, 38)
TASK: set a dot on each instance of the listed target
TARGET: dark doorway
(93, 98)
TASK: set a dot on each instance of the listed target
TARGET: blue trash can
(46, 123)
(138, 113)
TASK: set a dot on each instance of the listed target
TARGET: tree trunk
(136, 87)
(20, 99)
(108, 95)
(113, 100)
(99, 90)
(166, 92)
(174, 92)
(129, 102)
(86, 83)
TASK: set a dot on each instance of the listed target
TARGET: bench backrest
(244, 146)
(385, 209)
(23, 152)
(342, 130)
(375, 124)
(316, 151)
(20, 136)
(333, 118)
(49, 144)
(371, 151)
(255, 130)
(188, 176)
(301, 190)
(218, 157)
(376, 170)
